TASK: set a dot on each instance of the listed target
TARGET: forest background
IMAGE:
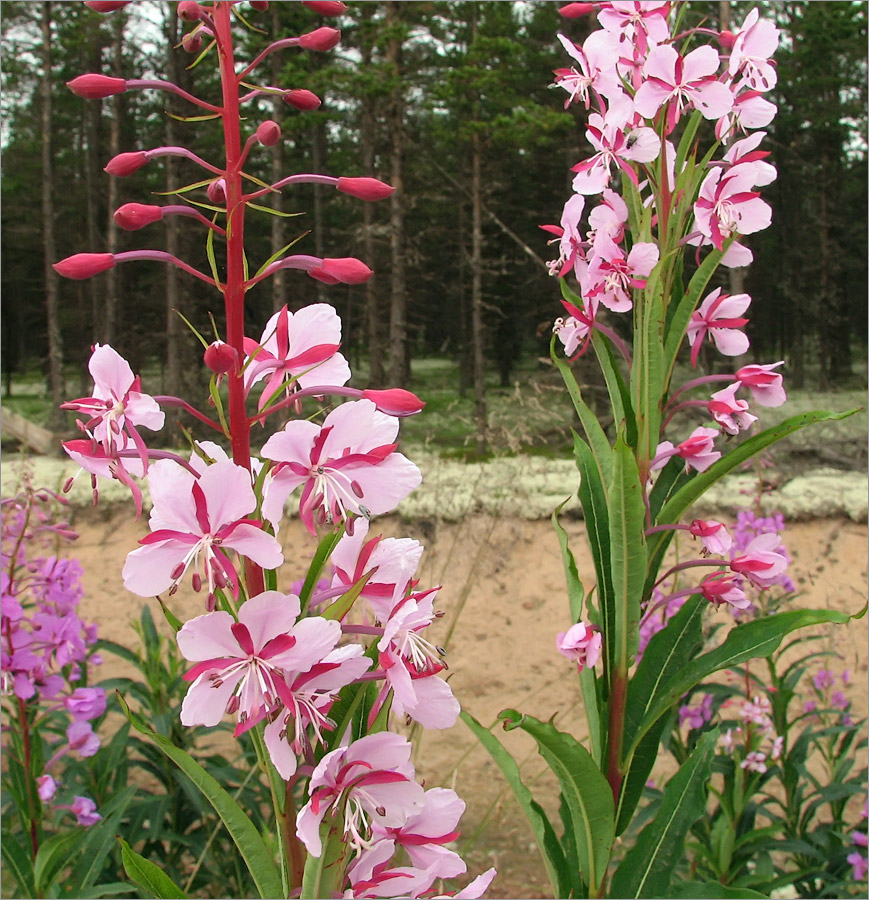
(448, 102)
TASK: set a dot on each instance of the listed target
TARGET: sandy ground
(503, 594)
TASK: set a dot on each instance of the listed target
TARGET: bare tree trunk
(478, 337)
(117, 107)
(376, 369)
(278, 231)
(318, 159)
(399, 363)
(173, 298)
(55, 342)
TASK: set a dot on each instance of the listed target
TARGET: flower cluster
(354, 627)
(638, 200)
(46, 647)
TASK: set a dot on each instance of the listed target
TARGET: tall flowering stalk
(665, 197)
(318, 673)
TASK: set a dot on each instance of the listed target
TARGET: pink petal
(280, 751)
(293, 444)
(111, 372)
(359, 426)
(170, 486)
(275, 492)
(148, 570)
(700, 63)
(269, 614)
(145, 411)
(228, 493)
(315, 638)
(385, 485)
(256, 544)
(205, 704)
(208, 637)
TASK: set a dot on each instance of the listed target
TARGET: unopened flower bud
(268, 133)
(133, 216)
(726, 39)
(189, 11)
(46, 787)
(395, 402)
(220, 357)
(83, 265)
(216, 191)
(259, 5)
(326, 7)
(96, 87)
(575, 10)
(346, 270)
(321, 39)
(302, 99)
(365, 188)
(126, 163)
(192, 42)
(107, 6)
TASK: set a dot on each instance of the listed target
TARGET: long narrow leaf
(575, 591)
(648, 866)
(250, 844)
(547, 842)
(586, 793)
(148, 876)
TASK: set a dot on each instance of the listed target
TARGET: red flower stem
(234, 291)
(183, 404)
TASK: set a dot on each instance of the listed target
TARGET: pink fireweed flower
(574, 332)
(86, 703)
(412, 662)
(609, 217)
(720, 317)
(731, 414)
(755, 761)
(745, 153)
(297, 350)
(46, 788)
(713, 536)
(615, 147)
(750, 110)
(570, 245)
(728, 205)
(117, 403)
(696, 716)
(241, 665)
(581, 644)
(859, 865)
(756, 711)
(636, 23)
(346, 466)
(698, 451)
(611, 274)
(683, 83)
(193, 522)
(765, 385)
(85, 811)
(372, 780)
(762, 563)
(755, 43)
(307, 697)
(473, 889)
(595, 69)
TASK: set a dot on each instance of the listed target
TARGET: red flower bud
(133, 216)
(259, 5)
(347, 270)
(126, 163)
(365, 188)
(324, 38)
(395, 402)
(95, 87)
(727, 39)
(189, 11)
(220, 357)
(326, 7)
(83, 265)
(268, 133)
(575, 10)
(192, 42)
(302, 99)
(107, 6)
(216, 191)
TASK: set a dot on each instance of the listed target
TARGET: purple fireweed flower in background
(696, 716)
(84, 810)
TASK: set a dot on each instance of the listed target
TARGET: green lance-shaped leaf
(575, 591)
(667, 653)
(586, 793)
(592, 497)
(673, 510)
(54, 855)
(754, 639)
(647, 370)
(148, 876)
(627, 542)
(340, 607)
(619, 392)
(323, 874)
(250, 844)
(560, 876)
(712, 890)
(648, 866)
(324, 551)
(18, 863)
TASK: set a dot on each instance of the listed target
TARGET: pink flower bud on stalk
(395, 402)
(346, 270)
(190, 11)
(84, 265)
(192, 42)
(126, 163)
(133, 216)
(216, 191)
(96, 87)
(259, 5)
(576, 10)
(365, 188)
(320, 39)
(107, 6)
(301, 99)
(326, 7)
(726, 39)
(220, 357)
(268, 133)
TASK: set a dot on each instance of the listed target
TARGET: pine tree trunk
(318, 164)
(399, 363)
(478, 337)
(55, 342)
(278, 230)
(172, 384)
(117, 106)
